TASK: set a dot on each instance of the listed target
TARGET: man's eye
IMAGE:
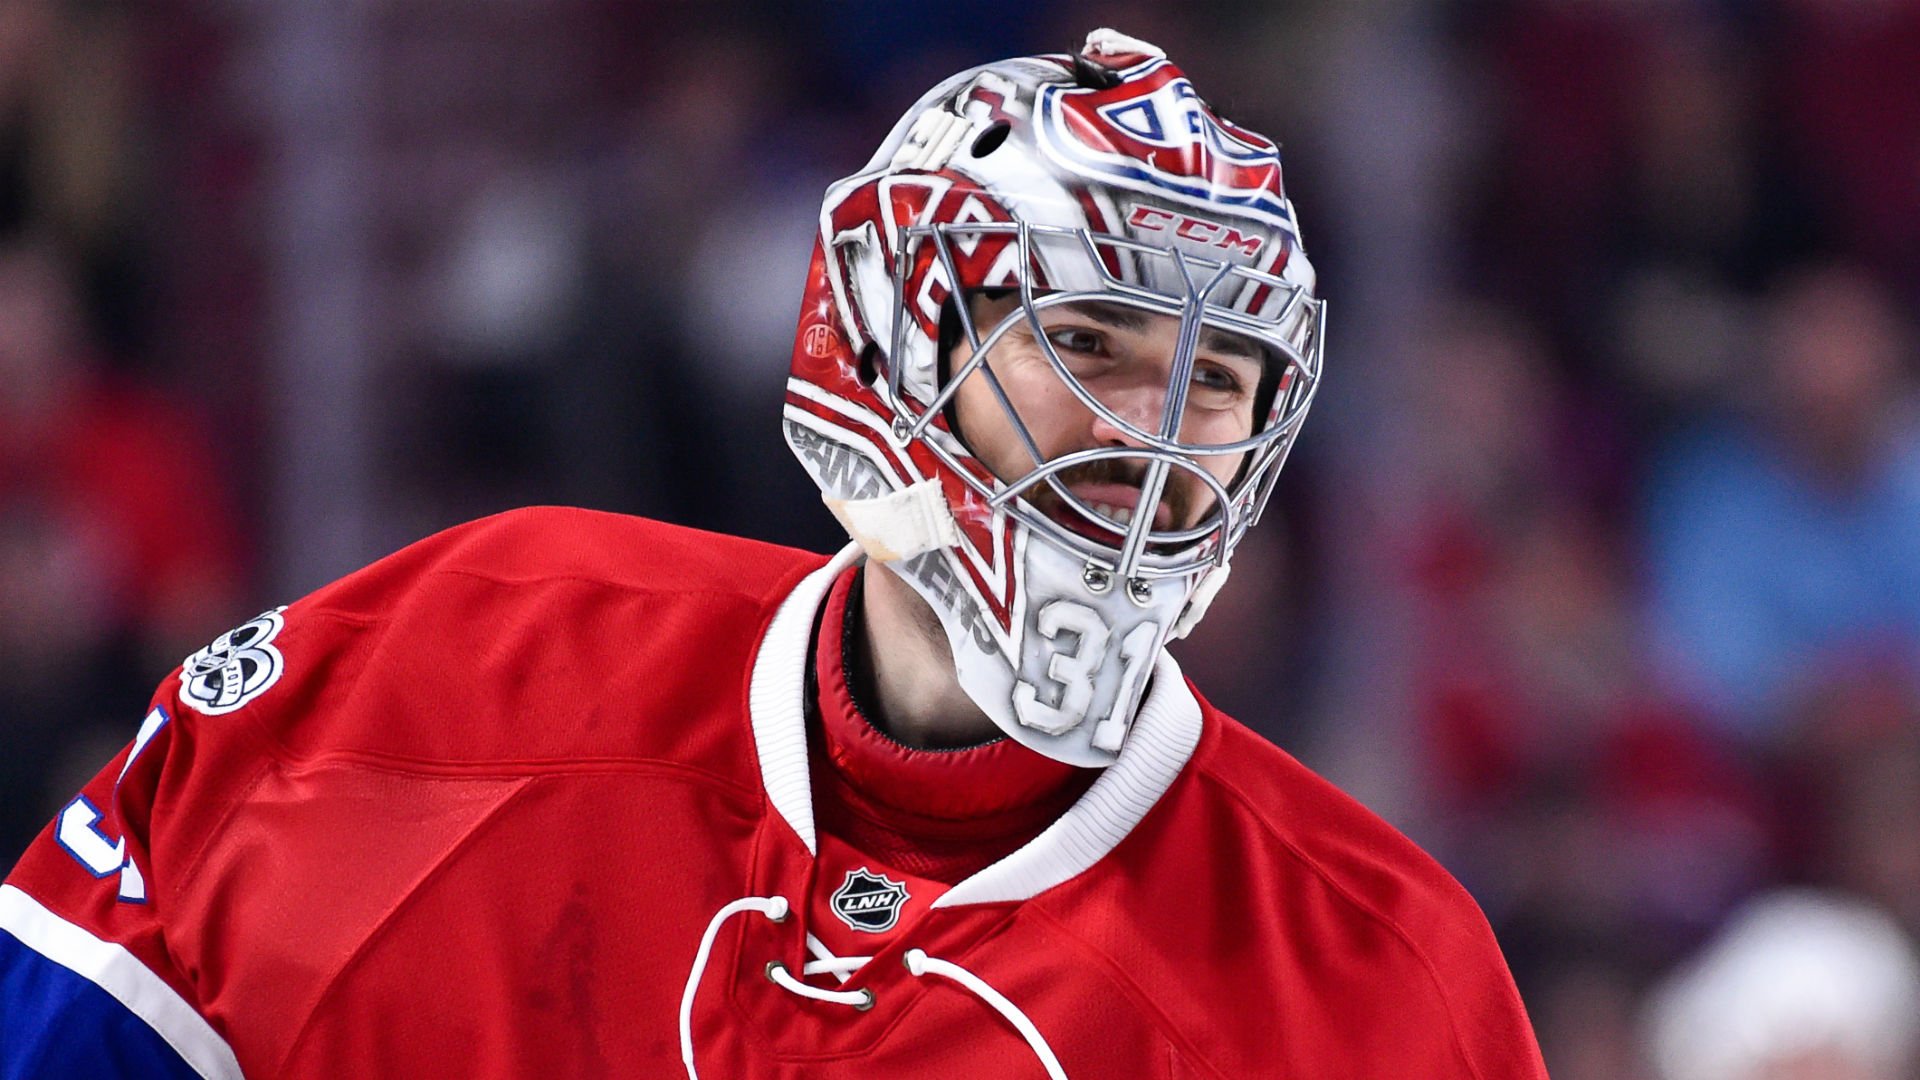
(1078, 341)
(1216, 378)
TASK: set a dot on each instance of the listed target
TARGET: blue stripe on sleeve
(56, 1025)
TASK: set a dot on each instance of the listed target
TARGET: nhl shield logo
(869, 902)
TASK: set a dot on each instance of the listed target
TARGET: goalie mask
(1088, 219)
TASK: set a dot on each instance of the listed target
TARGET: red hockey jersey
(472, 812)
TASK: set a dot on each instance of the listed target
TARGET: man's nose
(1141, 403)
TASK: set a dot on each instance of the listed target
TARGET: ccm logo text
(1198, 230)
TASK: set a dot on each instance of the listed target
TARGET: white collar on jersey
(1157, 748)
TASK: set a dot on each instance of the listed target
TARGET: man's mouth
(1115, 502)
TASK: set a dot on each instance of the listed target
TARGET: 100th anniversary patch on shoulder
(237, 667)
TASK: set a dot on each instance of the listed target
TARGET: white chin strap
(908, 522)
(1201, 599)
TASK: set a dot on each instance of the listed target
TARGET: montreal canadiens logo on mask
(868, 901)
(1152, 133)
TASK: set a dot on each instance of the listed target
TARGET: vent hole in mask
(990, 139)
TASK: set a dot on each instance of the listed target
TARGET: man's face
(1124, 357)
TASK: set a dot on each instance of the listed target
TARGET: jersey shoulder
(478, 698)
(1347, 846)
(544, 543)
(538, 634)
(1394, 937)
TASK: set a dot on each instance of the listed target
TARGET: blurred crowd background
(1597, 571)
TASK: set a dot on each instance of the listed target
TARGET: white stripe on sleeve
(112, 968)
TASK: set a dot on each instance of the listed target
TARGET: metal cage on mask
(1281, 316)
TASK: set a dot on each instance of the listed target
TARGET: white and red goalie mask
(1060, 180)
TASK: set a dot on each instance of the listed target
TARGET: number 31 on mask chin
(1062, 699)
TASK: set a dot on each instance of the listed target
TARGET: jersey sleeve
(90, 985)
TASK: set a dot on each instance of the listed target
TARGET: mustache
(1179, 495)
